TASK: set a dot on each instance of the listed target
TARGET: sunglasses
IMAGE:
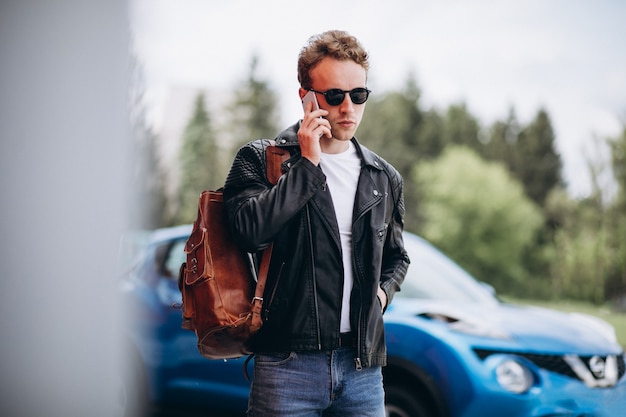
(335, 96)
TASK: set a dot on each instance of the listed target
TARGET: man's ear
(302, 92)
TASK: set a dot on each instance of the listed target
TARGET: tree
(616, 281)
(254, 111)
(479, 214)
(391, 127)
(199, 162)
(529, 152)
(589, 245)
(431, 134)
(502, 138)
(582, 249)
(537, 164)
(618, 162)
(461, 128)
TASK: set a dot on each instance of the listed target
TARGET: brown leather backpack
(221, 299)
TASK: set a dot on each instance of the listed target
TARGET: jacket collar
(289, 138)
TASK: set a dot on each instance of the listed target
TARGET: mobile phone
(310, 97)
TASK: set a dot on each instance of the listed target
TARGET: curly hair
(336, 44)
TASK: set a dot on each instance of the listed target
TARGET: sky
(566, 56)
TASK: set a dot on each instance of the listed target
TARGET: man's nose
(346, 105)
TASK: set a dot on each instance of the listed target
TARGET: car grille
(567, 365)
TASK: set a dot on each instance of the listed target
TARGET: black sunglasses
(335, 96)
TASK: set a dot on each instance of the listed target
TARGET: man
(336, 220)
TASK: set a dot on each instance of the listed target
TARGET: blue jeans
(315, 384)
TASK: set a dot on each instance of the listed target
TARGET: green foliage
(461, 128)
(501, 140)
(479, 215)
(431, 138)
(529, 152)
(618, 163)
(589, 239)
(506, 216)
(616, 217)
(254, 110)
(581, 249)
(538, 164)
(392, 127)
(199, 163)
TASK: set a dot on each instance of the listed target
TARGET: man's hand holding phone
(313, 127)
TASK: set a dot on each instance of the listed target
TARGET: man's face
(330, 73)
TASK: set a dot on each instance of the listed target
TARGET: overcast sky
(568, 56)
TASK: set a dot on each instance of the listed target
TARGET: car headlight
(513, 376)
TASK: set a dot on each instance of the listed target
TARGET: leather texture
(221, 301)
(301, 309)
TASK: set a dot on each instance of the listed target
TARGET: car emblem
(597, 372)
(597, 366)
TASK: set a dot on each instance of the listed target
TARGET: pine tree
(254, 111)
(199, 162)
(538, 164)
(529, 152)
(461, 128)
(502, 138)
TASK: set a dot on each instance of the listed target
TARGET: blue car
(454, 349)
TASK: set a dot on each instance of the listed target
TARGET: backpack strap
(274, 158)
(257, 301)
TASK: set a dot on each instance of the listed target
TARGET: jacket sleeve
(256, 209)
(395, 258)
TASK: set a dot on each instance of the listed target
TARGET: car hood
(520, 327)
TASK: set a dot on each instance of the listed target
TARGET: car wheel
(399, 402)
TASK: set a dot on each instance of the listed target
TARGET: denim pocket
(274, 358)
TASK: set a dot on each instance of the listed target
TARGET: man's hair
(335, 44)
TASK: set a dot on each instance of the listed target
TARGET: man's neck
(333, 146)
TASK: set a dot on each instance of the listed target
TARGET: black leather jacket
(302, 299)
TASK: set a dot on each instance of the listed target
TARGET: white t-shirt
(342, 172)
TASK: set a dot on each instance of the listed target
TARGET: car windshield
(434, 276)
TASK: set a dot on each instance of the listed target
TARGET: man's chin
(343, 134)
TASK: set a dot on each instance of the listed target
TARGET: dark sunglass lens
(359, 95)
(335, 96)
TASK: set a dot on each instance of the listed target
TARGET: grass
(605, 312)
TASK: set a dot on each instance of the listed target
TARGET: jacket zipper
(268, 305)
(357, 361)
(317, 311)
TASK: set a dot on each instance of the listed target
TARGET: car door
(185, 377)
